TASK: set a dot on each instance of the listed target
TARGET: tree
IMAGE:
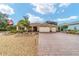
(64, 27)
(3, 21)
(23, 23)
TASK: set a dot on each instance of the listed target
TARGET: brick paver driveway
(58, 44)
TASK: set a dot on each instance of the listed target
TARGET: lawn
(18, 44)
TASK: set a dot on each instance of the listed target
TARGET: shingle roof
(41, 24)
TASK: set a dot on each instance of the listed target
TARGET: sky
(41, 12)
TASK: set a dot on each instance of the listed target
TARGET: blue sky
(41, 12)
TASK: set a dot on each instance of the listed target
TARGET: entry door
(35, 29)
(44, 29)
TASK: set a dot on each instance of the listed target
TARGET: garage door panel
(44, 29)
(53, 29)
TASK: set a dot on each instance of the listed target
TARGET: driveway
(58, 44)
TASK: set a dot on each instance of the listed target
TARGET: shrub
(21, 31)
(13, 31)
(3, 30)
(11, 27)
(71, 31)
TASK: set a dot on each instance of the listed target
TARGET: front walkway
(58, 44)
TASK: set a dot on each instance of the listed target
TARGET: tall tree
(3, 21)
(64, 27)
(23, 23)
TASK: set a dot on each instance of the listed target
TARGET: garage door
(53, 29)
(44, 29)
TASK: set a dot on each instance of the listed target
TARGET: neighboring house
(74, 26)
(43, 27)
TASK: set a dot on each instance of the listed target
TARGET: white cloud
(64, 4)
(6, 9)
(69, 18)
(34, 19)
(44, 8)
(73, 17)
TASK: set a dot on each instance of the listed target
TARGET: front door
(35, 28)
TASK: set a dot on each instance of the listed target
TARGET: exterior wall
(17, 28)
(38, 28)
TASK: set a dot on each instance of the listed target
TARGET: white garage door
(44, 29)
(53, 29)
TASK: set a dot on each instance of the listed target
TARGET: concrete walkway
(58, 44)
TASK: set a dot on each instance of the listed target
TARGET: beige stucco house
(39, 27)
(43, 27)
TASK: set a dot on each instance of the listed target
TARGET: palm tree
(23, 23)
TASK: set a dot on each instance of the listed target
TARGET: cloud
(69, 18)
(64, 4)
(73, 17)
(6, 9)
(44, 8)
(34, 19)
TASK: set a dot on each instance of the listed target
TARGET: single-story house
(74, 27)
(43, 27)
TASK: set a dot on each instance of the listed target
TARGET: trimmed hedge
(13, 31)
(3, 29)
(72, 31)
